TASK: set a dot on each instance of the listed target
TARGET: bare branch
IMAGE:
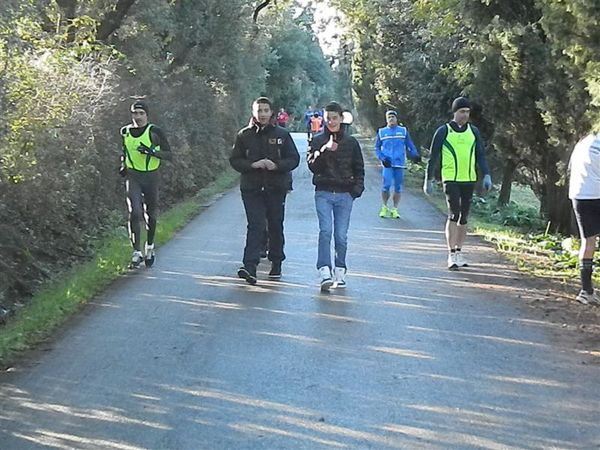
(69, 8)
(113, 20)
(259, 8)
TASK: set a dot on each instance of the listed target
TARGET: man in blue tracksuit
(391, 145)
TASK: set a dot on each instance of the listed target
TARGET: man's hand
(356, 191)
(145, 150)
(387, 163)
(260, 164)
(329, 145)
(428, 187)
(416, 159)
(270, 165)
(311, 157)
(487, 183)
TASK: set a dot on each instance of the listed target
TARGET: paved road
(410, 356)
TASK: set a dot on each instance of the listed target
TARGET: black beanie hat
(139, 104)
(459, 103)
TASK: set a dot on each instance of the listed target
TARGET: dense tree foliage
(69, 68)
(531, 68)
(68, 71)
(297, 72)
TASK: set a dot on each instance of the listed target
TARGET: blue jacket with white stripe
(392, 143)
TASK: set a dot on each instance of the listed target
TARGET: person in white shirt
(584, 192)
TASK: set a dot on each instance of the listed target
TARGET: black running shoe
(275, 273)
(248, 274)
(150, 255)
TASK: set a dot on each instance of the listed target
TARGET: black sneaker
(275, 273)
(248, 274)
(150, 255)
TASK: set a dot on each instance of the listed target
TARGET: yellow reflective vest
(458, 155)
(133, 158)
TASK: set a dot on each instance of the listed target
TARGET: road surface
(409, 356)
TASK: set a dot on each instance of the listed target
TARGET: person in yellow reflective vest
(458, 148)
(144, 147)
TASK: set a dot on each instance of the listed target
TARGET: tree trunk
(69, 8)
(113, 19)
(507, 179)
(556, 206)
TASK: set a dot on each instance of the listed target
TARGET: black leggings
(142, 203)
(458, 198)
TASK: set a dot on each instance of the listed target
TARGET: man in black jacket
(264, 154)
(335, 159)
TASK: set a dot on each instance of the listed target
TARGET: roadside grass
(516, 230)
(61, 298)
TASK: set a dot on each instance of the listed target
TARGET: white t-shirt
(584, 181)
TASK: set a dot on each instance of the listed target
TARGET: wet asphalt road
(409, 356)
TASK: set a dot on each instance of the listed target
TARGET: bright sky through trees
(327, 25)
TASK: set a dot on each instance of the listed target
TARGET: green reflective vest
(458, 155)
(133, 158)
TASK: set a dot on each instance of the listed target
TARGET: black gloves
(387, 163)
(416, 159)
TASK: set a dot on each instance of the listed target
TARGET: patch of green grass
(516, 230)
(524, 196)
(62, 298)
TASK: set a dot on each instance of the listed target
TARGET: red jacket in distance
(282, 118)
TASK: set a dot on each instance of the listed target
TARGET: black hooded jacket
(254, 143)
(342, 170)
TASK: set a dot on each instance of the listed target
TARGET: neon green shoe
(394, 213)
(384, 211)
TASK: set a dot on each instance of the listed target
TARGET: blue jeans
(333, 212)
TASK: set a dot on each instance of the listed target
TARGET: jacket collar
(337, 135)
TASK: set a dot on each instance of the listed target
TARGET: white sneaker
(588, 299)
(452, 265)
(326, 281)
(339, 274)
(149, 256)
(460, 260)
(136, 258)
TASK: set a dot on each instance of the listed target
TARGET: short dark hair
(264, 100)
(334, 107)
